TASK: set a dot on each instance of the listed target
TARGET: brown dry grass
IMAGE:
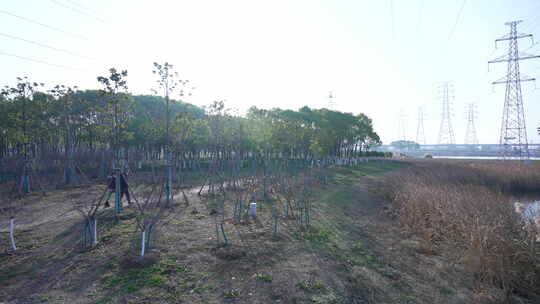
(464, 210)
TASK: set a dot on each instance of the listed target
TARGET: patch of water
(485, 157)
(528, 210)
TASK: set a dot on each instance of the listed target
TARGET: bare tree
(89, 211)
(114, 86)
(151, 209)
(168, 82)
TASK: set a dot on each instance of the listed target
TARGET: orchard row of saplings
(67, 127)
(237, 187)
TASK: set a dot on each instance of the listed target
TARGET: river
(480, 157)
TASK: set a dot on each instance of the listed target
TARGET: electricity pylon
(470, 135)
(420, 132)
(513, 139)
(402, 126)
(331, 102)
(446, 133)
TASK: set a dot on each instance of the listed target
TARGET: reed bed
(466, 211)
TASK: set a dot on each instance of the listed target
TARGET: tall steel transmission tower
(446, 133)
(470, 135)
(513, 139)
(420, 132)
(402, 125)
(331, 102)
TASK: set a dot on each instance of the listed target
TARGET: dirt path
(379, 262)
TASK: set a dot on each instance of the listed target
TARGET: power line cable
(419, 21)
(78, 11)
(78, 4)
(393, 18)
(46, 46)
(457, 20)
(40, 61)
(535, 25)
(531, 46)
(528, 24)
(47, 26)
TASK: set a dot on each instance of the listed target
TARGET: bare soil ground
(353, 253)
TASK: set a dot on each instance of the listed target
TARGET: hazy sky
(288, 53)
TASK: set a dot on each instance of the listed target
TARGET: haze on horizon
(377, 57)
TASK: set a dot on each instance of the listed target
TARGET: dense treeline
(35, 122)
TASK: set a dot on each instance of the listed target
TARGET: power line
(45, 25)
(78, 11)
(457, 19)
(393, 18)
(419, 21)
(40, 61)
(531, 20)
(532, 46)
(77, 4)
(45, 46)
(535, 24)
